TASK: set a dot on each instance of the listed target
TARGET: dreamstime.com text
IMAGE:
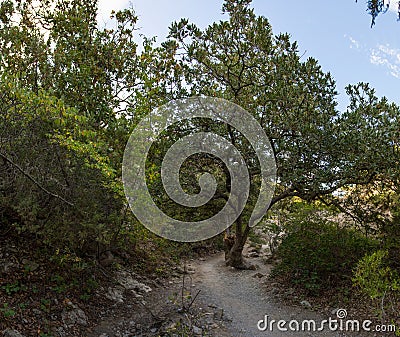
(339, 323)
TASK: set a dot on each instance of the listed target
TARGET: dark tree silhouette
(376, 7)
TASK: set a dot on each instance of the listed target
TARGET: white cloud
(382, 55)
(393, 5)
(353, 42)
(388, 57)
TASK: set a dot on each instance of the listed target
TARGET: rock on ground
(11, 333)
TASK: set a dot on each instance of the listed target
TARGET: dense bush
(375, 277)
(54, 181)
(318, 254)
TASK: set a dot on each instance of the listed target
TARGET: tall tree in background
(294, 101)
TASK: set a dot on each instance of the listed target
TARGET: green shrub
(374, 277)
(57, 181)
(7, 311)
(317, 254)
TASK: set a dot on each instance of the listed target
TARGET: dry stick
(382, 305)
(183, 289)
(183, 286)
(194, 299)
(19, 168)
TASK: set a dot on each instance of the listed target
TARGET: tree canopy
(377, 7)
(87, 88)
(318, 149)
(72, 92)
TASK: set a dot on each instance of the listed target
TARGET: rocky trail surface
(210, 299)
(244, 300)
(203, 298)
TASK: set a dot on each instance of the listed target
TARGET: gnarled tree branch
(27, 175)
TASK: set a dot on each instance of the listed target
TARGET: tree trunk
(234, 244)
(234, 256)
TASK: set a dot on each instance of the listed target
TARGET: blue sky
(339, 37)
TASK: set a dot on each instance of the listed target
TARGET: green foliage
(88, 289)
(374, 201)
(61, 286)
(7, 311)
(66, 258)
(318, 254)
(66, 88)
(318, 150)
(11, 288)
(45, 305)
(56, 179)
(374, 276)
(70, 92)
(255, 240)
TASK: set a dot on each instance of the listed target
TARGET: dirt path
(244, 302)
(235, 301)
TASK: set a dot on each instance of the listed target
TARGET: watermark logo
(339, 323)
(147, 132)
